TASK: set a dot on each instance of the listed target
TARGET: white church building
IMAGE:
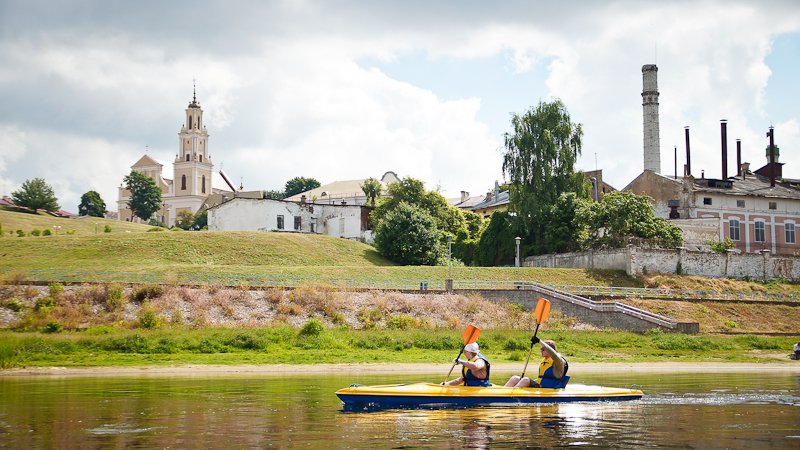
(187, 182)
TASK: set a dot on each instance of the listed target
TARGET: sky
(352, 89)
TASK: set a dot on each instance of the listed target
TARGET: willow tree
(539, 163)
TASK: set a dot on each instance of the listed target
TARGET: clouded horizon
(347, 90)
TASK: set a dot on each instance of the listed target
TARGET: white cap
(472, 348)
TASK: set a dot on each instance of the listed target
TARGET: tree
(145, 195)
(625, 214)
(92, 205)
(408, 235)
(36, 194)
(412, 191)
(539, 160)
(185, 219)
(372, 184)
(275, 195)
(300, 184)
(201, 219)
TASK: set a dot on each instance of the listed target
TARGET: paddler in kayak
(475, 369)
(552, 369)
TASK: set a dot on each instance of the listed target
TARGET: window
(734, 229)
(706, 200)
(740, 203)
(760, 235)
(280, 222)
(190, 122)
(204, 184)
(187, 156)
(201, 158)
(773, 205)
(313, 227)
(789, 233)
(297, 223)
(183, 182)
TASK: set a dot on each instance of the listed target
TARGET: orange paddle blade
(542, 310)
(471, 334)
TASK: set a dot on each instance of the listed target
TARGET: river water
(253, 410)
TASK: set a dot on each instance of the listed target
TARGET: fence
(233, 280)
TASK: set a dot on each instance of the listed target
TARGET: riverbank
(284, 369)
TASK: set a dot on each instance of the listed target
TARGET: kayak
(432, 394)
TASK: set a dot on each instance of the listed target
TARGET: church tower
(192, 163)
(652, 142)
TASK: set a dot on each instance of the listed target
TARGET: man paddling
(475, 370)
(552, 369)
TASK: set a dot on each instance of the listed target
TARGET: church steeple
(192, 164)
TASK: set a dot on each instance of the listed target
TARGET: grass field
(287, 345)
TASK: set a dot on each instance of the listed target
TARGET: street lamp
(449, 256)
(518, 239)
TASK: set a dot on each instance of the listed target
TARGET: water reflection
(704, 410)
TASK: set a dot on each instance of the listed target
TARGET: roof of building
(751, 185)
(342, 190)
(466, 204)
(501, 199)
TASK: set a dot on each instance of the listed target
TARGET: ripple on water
(119, 428)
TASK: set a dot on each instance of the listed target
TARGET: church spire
(194, 103)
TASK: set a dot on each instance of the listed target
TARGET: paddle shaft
(529, 352)
(454, 365)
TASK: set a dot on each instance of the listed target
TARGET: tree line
(550, 205)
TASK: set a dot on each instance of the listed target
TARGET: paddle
(470, 335)
(542, 310)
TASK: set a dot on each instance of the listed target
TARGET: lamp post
(518, 239)
(449, 282)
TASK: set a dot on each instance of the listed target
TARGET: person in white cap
(474, 370)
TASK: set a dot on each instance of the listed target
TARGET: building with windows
(259, 214)
(188, 181)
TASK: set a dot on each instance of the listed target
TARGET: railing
(606, 306)
(232, 280)
(51, 276)
(608, 291)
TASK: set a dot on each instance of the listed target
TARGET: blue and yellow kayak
(432, 394)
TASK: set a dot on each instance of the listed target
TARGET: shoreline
(283, 369)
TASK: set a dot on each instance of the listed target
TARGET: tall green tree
(92, 205)
(539, 162)
(145, 195)
(412, 191)
(300, 184)
(201, 219)
(275, 195)
(408, 235)
(36, 194)
(184, 219)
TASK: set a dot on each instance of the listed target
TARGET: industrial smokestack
(724, 127)
(771, 135)
(688, 154)
(652, 142)
(738, 157)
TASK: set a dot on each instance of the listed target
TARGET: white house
(259, 214)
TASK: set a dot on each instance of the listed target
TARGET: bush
(115, 299)
(176, 229)
(44, 303)
(401, 322)
(56, 289)
(14, 305)
(36, 232)
(20, 233)
(46, 232)
(107, 229)
(53, 327)
(312, 328)
(143, 293)
(156, 229)
(71, 232)
(148, 316)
